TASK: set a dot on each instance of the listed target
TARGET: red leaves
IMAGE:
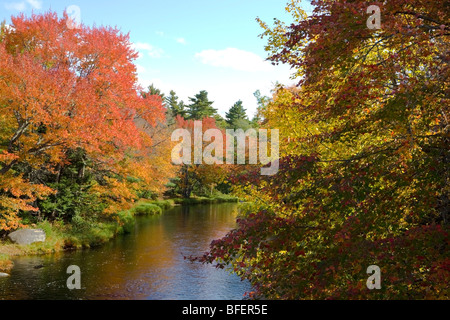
(299, 253)
(63, 89)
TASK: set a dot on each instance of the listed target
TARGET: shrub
(147, 209)
(164, 204)
(127, 221)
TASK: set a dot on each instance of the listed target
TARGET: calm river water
(146, 264)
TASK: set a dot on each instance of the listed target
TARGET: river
(147, 264)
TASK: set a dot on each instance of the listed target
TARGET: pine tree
(236, 118)
(236, 112)
(153, 91)
(200, 107)
(176, 108)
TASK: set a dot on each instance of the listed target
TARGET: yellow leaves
(294, 7)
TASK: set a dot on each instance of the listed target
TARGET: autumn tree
(262, 102)
(364, 176)
(66, 91)
(196, 173)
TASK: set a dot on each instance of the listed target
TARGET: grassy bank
(86, 232)
(82, 232)
(204, 200)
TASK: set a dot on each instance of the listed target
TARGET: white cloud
(22, 5)
(181, 40)
(160, 33)
(224, 87)
(36, 4)
(16, 6)
(150, 50)
(140, 68)
(234, 58)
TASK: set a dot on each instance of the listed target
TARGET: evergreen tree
(200, 107)
(2, 29)
(220, 121)
(153, 91)
(236, 117)
(243, 124)
(236, 112)
(176, 108)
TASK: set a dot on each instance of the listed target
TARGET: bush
(127, 221)
(80, 224)
(164, 204)
(147, 209)
(146, 194)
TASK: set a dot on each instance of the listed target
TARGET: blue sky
(188, 45)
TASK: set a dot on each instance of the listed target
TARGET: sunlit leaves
(364, 171)
(65, 89)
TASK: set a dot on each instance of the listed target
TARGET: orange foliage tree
(65, 89)
(202, 174)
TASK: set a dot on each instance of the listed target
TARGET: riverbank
(148, 264)
(90, 232)
(204, 200)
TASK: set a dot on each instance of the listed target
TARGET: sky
(187, 45)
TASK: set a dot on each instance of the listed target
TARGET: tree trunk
(81, 171)
(59, 174)
(187, 189)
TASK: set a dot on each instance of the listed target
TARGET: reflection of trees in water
(146, 263)
(198, 225)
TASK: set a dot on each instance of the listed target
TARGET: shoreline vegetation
(87, 232)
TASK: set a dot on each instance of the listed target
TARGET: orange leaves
(18, 195)
(18, 188)
(65, 89)
(7, 157)
(81, 86)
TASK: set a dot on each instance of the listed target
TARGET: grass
(164, 204)
(205, 200)
(5, 263)
(146, 209)
(54, 243)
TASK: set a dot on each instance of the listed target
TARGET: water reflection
(147, 264)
